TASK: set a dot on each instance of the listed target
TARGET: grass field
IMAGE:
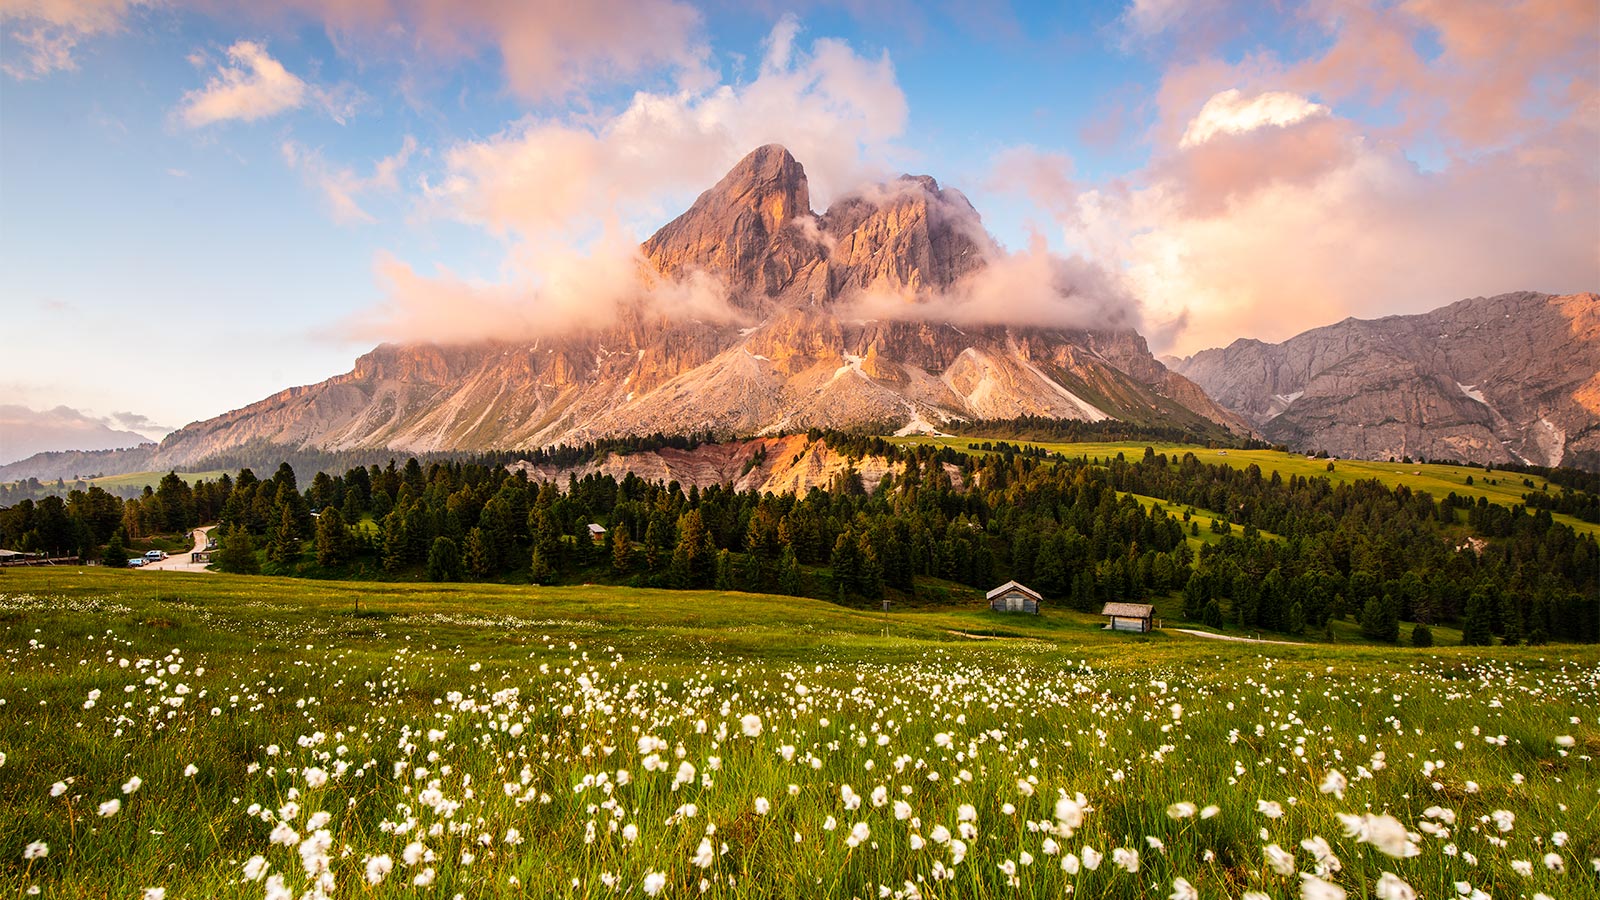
(223, 736)
(1439, 480)
(152, 479)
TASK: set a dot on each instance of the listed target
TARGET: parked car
(136, 562)
(155, 555)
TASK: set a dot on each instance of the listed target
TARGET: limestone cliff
(1512, 378)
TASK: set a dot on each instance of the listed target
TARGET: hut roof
(1013, 586)
(1129, 610)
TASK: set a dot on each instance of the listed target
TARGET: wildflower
(1334, 783)
(110, 808)
(1091, 858)
(1390, 887)
(1314, 888)
(1522, 867)
(1210, 811)
(1126, 858)
(750, 725)
(424, 878)
(132, 784)
(859, 833)
(378, 868)
(1565, 740)
(1281, 860)
(1183, 890)
(276, 889)
(58, 789)
(1181, 810)
(704, 855)
(1272, 809)
(255, 867)
(413, 853)
(1384, 832)
(1503, 819)
(315, 777)
(190, 770)
(36, 850)
(1555, 863)
(654, 883)
(155, 893)
(762, 806)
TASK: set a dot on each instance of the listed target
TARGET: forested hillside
(1287, 555)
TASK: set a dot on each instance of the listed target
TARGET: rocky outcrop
(1512, 378)
(798, 359)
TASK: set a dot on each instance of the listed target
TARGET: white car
(135, 562)
(155, 555)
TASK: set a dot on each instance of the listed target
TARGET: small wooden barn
(597, 532)
(1129, 616)
(1014, 597)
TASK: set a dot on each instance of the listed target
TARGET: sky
(205, 203)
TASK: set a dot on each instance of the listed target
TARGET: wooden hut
(1014, 597)
(1129, 616)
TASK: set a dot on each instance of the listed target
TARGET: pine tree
(790, 577)
(539, 570)
(477, 560)
(622, 553)
(238, 553)
(1421, 636)
(724, 581)
(395, 541)
(1296, 620)
(116, 552)
(285, 547)
(444, 560)
(333, 538)
(845, 565)
(1477, 630)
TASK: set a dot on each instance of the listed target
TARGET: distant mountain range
(799, 355)
(1512, 378)
(1501, 379)
(25, 432)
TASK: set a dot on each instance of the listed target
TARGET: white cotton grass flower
(1272, 809)
(132, 784)
(1126, 859)
(1314, 888)
(1334, 783)
(58, 789)
(315, 777)
(1210, 811)
(155, 893)
(1279, 859)
(1390, 887)
(1091, 858)
(255, 868)
(110, 808)
(750, 725)
(654, 883)
(1384, 832)
(1183, 890)
(378, 868)
(705, 854)
(1181, 810)
(36, 850)
(1555, 863)
(762, 806)
(859, 833)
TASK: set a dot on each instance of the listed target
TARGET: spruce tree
(1477, 630)
(790, 577)
(477, 561)
(622, 553)
(238, 553)
(444, 560)
(333, 538)
(116, 552)
(1421, 636)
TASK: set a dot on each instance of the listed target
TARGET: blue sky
(194, 211)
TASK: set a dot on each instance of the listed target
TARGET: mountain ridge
(1513, 378)
(790, 346)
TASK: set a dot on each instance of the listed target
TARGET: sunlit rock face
(1512, 378)
(794, 349)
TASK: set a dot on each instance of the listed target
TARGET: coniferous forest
(1075, 529)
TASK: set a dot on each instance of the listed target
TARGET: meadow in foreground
(199, 736)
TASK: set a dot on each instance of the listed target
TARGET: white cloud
(255, 86)
(1230, 112)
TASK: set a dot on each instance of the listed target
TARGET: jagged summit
(798, 356)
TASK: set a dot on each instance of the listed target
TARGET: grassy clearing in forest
(1437, 479)
(256, 737)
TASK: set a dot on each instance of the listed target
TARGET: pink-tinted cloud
(49, 31)
(251, 86)
(341, 186)
(1374, 176)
